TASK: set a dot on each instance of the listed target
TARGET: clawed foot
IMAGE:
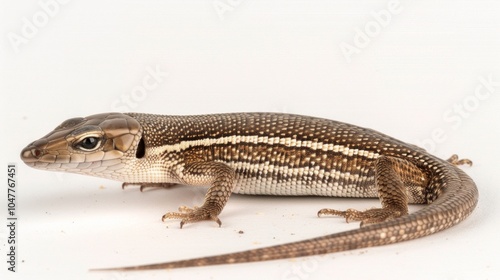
(456, 161)
(191, 215)
(149, 185)
(371, 216)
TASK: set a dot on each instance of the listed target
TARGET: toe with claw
(144, 186)
(191, 215)
(455, 160)
(371, 216)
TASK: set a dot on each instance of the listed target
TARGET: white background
(415, 75)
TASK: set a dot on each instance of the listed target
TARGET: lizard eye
(89, 143)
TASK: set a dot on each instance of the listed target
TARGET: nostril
(31, 153)
(36, 152)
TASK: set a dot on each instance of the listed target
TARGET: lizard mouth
(35, 152)
(46, 151)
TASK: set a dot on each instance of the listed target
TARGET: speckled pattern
(269, 154)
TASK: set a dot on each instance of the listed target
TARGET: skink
(267, 154)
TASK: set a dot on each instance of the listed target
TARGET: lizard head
(96, 144)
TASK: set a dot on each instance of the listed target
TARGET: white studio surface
(427, 73)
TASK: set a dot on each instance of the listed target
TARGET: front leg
(219, 177)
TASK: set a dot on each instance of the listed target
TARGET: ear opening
(141, 149)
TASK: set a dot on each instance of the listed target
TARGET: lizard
(273, 154)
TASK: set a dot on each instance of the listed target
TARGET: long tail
(456, 202)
